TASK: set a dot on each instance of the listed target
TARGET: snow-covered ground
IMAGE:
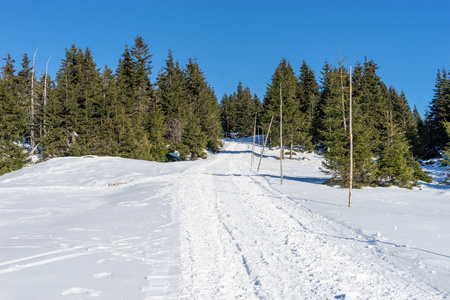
(112, 228)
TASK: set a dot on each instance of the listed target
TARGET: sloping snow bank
(408, 228)
(88, 227)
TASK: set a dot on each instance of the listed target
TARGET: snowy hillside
(112, 228)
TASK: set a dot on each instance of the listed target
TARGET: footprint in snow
(102, 275)
(79, 290)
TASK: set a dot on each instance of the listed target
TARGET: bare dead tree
(341, 62)
(32, 116)
(281, 135)
(43, 131)
(265, 142)
(350, 125)
(254, 137)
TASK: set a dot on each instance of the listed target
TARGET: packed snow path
(243, 238)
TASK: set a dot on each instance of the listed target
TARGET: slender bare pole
(254, 137)
(341, 63)
(281, 135)
(265, 142)
(350, 125)
(45, 92)
(32, 141)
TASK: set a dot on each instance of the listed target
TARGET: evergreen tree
(90, 88)
(228, 114)
(439, 112)
(63, 113)
(238, 111)
(421, 144)
(12, 156)
(135, 102)
(203, 111)
(296, 123)
(373, 95)
(140, 54)
(392, 164)
(308, 94)
(335, 136)
(172, 96)
(106, 143)
(403, 117)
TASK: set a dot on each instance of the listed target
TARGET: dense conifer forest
(87, 110)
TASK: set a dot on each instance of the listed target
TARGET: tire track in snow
(212, 266)
(243, 238)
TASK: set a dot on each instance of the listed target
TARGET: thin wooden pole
(265, 142)
(32, 141)
(351, 144)
(341, 68)
(281, 135)
(45, 98)
(254, 137)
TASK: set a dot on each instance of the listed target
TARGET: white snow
(113, 228)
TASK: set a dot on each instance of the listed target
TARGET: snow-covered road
(242, 238)
(113, 228)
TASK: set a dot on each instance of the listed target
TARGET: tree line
(389, 137)
(86, 110)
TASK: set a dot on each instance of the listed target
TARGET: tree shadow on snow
(235, 152)
(313, 180)
(435, 186)
(373, 242)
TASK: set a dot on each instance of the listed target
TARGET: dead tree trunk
(43, 131)
(341, 63)
(350, 125)
(32, 117)
(265, 142)
(254, 137)
(281, 135)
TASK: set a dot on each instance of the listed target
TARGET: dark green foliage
(12, 119)
(238, 112)
(203, 108)
(296, 123)
(421, 144)
(439, 113)
(88, 111)
(384, 131)
(393, 166)
(171, 94)
(336, 138)
(310, 100)
(404, 118)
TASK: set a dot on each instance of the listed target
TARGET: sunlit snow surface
(112, 228)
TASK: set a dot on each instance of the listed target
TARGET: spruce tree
(296, 123)
(12, 112)
(203, 120)
(336, 137)
(238, 111)
(392, 163)
(373, 95)
(308, 94)
(439, 112)
(403, 117)
(228, 114)
(172, 96)
(421, 146)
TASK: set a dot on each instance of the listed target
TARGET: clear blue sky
(241, 40)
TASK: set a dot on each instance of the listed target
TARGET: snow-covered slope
(112, 228)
